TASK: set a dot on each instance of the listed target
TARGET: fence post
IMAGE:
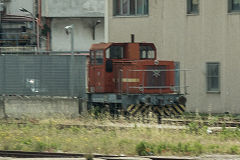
(4, 75)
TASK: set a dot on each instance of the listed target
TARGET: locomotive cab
(126, 68)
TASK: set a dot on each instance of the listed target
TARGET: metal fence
(45, 75)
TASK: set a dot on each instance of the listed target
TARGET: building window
(234, 5)
(192, 6)
(130, 7)
(213, 77)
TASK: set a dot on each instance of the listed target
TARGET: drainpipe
(39, 11)
(38, 23)
(48, 22)
(0, 27)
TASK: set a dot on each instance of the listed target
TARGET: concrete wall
(2, 111)
(14, 5)
(38, 107)
(211, 36)
(83, 14)
(72, 8)
(82, 33)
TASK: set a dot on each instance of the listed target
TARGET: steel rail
(22, 154)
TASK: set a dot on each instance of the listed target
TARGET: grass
(49, 136)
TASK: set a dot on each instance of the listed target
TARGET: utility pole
(70, 30)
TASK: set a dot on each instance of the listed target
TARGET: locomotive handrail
(161, 70)
(160, 87)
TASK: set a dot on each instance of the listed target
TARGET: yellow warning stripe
(166, 110)
(173, 110)
(143, 107)
(183, 107)
(135, 109)
(158, 110)
(178, 109)
(130, 107)
(147, 110)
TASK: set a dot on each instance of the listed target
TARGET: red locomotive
(127, 76)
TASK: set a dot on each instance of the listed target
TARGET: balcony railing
(17, 39)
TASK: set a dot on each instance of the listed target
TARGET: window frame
(94, 57)
(149, 50)
(209, 78)
(122, 56)
(190, 10)
(99, 57)
(231, 8)
(144, 12)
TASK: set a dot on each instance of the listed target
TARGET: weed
(234, 149)
(18, 147)
(6, 147)
(50, 136)
(144, 149)
(40, 146)
(213, 148)
(89, 156)
(198, 148)
(161, 148)
(193, 127)
(196, 128)
(230, 133)
(27, 141)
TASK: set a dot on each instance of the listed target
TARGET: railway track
(171, 122)
(21, 154)
(219, 123)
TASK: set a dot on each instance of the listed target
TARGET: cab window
(115, 52)
(96, 57)
(99, 57)
(147, 52)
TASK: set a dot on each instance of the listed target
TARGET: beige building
(203, 35)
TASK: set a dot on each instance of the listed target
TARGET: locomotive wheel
(115, 110)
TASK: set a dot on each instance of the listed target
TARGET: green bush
(161, 148)
(40, 146)
(234, 150)
(230, 133)
(144, 149)
(196, 128)
(89, 156)
(198, 148)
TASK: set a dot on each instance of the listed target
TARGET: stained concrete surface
(38, 107)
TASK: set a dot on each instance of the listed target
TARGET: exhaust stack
(132, 38)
